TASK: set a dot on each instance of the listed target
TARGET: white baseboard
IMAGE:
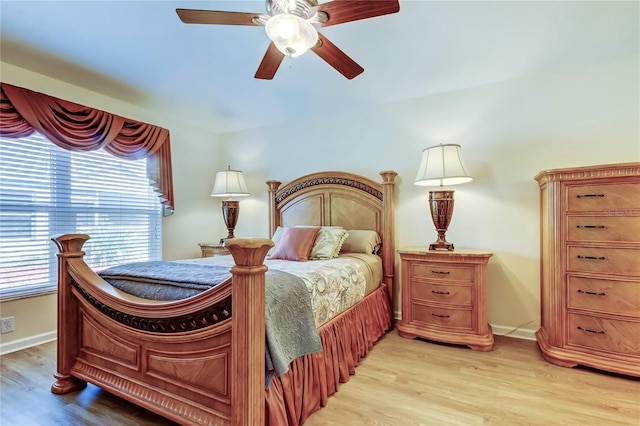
(518, 333)
(27, 342)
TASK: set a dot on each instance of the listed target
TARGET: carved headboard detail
(339, 199)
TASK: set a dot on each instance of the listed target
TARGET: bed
(201, 360)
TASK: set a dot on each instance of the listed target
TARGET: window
(46, 190)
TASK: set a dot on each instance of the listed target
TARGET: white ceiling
(140, 52)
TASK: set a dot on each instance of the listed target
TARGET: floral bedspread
(334, 285)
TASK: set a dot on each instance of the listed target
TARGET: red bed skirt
(311, 379)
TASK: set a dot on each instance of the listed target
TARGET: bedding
(297, 294)
(328, 242)
(275, 238)
(296, 243)
(159, 280)
(361, 241)
(334, 285)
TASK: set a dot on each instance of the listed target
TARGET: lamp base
(441, 206)
(230, 212)
(441, 245)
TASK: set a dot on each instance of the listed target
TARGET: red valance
(79, 128)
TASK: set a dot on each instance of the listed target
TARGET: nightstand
(444, 296)
(209, 250)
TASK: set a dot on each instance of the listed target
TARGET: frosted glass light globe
(291, 34)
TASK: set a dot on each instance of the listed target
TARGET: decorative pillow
(275, 239)
(295, 243)
(328, 242)
(361, 241)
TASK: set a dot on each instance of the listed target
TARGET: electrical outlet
(7, 325)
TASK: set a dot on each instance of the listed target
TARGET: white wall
(509, 131)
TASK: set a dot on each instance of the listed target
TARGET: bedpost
(70, 246)
(388, 231)
(273, 218)
(248, 330)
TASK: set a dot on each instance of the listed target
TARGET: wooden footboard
(188, 360)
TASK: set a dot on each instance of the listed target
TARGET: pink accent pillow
(295, 243)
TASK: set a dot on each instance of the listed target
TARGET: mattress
(334, 285)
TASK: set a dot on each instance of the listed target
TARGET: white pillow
(361, 241)
(276, 237)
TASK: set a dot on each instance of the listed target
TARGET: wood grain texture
(414, 382)
(270, 63)
(589, 272)
(444, 296)
(344, 199)
(213, 249)
(400, 383)
(341, 11)
(334, 56)
(193, 16)
(248, 331)
(163, 355)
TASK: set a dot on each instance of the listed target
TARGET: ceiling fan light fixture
(291, 34)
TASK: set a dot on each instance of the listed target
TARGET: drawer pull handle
(591, 293)
(439, 292)
(589, 195)
(440, 316)
(590, 226)
(440, 272)
(590, 331)
(591, 257)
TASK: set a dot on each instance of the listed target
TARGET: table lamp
(441, 165)
(229, 183)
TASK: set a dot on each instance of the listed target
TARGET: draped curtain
(76, 127)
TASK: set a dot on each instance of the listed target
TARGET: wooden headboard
(339, 199)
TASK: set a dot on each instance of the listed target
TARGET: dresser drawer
(610, 296)
(604, 334)
(603, 197)
(450, 318)
(603, 228)
(441, 271)
(604, 260)
(438, 293)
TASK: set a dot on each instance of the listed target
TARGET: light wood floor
(400, 383)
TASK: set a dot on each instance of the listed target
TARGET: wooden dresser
(444, 296)
(590, 267)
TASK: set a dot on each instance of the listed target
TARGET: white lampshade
(442, 165)
(291, 34)
(229, 183)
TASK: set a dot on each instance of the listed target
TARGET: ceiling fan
(290, 26)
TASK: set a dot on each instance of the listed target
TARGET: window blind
(46, 190)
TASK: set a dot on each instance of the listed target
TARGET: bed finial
(389, 232)
(70, 245)
(273, 186)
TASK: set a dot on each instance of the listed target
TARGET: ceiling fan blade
(270, 63)
(341, 11)
(194, 16)
(337, 58)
